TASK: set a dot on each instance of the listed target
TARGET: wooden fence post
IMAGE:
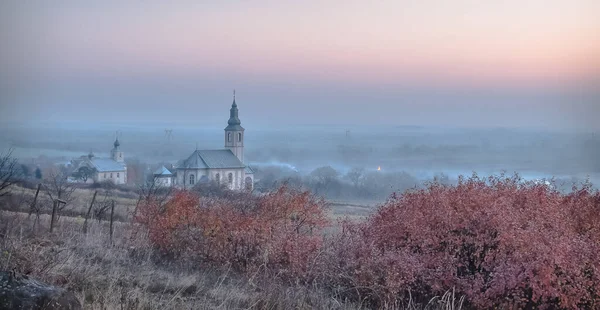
(112, 212)
(87, 216)
(54, 209)
(54, 206)
(32, 207)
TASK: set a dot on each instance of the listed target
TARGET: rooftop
(107, 164)
(163, 171)
(205, 159)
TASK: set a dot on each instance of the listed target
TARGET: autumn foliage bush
(280, 231)
(500, 242)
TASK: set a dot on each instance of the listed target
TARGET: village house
(163, 177)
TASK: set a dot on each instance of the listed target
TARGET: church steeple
(116, 153)
(234, 121)
(234, 132)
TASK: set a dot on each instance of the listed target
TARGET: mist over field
(422, 152)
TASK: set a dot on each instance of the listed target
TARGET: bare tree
(9, 172)
(356, 176)
(58, 187)
(323, 178)
(103, 206)
(152, 191)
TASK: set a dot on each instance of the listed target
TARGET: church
(223, 166)
(93, 169)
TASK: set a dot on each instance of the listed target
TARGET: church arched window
(229, 137)
(218, 178)
(192, 179)
(239, 137)
(230, 178)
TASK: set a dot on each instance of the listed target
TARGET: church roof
(208, 159)
(162, 171)
(249, 170)
(107, 164)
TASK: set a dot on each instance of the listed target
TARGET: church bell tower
(234, 132)
(116, 153)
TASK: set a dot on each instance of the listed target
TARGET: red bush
(280, 231)
(500, 242)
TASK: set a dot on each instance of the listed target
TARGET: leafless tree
(58, 187)
(153, 191)
(103, 205)
(356, 176)
(323, 178)
(9, 172)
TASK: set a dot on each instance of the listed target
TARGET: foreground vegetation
(498, 242)
(128, 274)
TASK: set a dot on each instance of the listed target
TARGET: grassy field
(21, 199)
(127, 273)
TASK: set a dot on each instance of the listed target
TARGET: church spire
(116, 144)
(234, 132)
(234, 121)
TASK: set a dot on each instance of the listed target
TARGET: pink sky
(376, 41)
(372, 44)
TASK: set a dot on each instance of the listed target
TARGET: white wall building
(95, 169)
(224, 166)
(163, 177)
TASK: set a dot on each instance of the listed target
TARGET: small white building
(163, 177)
(92, 169)
(224, 166)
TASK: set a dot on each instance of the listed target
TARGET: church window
(105, 175)
(239, 137)
(111, 175)
(218, 178)
(229, 137)
(230, 178)
(192, 179)
(117, 175)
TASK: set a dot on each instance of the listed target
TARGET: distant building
(163, 177)
(224, 166)
(92, 169)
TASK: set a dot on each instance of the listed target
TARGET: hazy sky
(451, 63)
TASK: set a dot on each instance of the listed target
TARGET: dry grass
(22, 197)
(128, 274)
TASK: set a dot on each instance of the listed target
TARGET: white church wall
(117, 177)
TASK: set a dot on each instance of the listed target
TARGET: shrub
(280, 231)
(501, 242)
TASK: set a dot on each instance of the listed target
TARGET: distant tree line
(357, 183)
